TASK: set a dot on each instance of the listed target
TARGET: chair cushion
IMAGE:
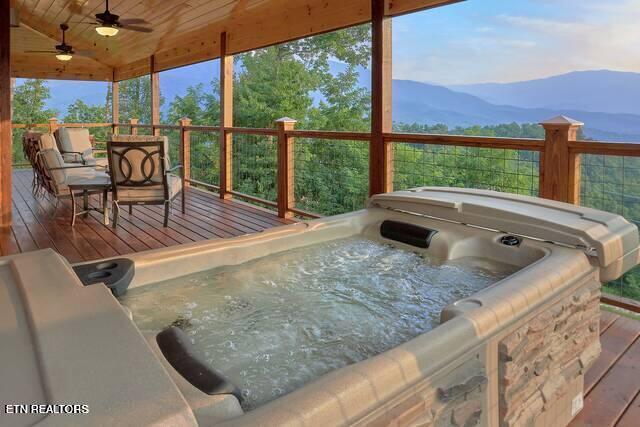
(175, 185)
(77, 140)
(152, 193)
(52, 159)
(47, 142)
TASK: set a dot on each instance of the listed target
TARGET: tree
(29, 101)
(135, 99)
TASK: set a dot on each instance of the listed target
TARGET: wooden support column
(226, 119)
(115, 105)
(286, 178)
(5, 116)
(133, 128)
(53, 124)
(185, 149)
(155, 96)
(560, 168)
(380, 153)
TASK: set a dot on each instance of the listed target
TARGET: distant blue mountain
(578, 95)
(415, 102)
(599, 91)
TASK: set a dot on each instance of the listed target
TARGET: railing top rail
(170, 127)
(467, 141)
(202, 128)
(337, 135)
(606, 148)
(252, 131)
(58, 124)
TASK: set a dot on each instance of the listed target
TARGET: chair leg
(130, 209)
(116, 213)
(183, 202)
(167, 207)
(55, 208)
(73, 209)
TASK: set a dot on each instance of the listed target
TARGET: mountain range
(606, 101)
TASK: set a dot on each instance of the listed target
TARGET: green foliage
(202, 107)
(135, 99)
(29, 101)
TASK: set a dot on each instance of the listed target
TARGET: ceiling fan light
(107, 31)
(64, 57)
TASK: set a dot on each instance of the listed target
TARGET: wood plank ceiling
(184, 31)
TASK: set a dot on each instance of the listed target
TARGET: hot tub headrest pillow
(179, 352)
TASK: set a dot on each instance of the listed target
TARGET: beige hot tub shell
(512, 354)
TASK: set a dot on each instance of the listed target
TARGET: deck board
(612, 384)
(206, 217)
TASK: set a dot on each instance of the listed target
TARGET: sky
(480, 41)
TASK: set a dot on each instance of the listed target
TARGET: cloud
(527, 39)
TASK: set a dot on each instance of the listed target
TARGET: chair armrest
(173, 168)
(72, 167)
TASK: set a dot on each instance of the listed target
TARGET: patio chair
(56, 176)
(75, 145)
(141, 173)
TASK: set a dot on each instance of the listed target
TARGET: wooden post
(133, 123)
(286, 177)
(560, 172)
(5, 116)
(380, 152)
(226, 119)
(185, 149)
(53, 124)
(155, 96)
(115, 105)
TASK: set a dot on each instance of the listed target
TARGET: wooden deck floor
(206, 217)
(612, 385)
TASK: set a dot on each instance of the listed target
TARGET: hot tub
(432, 306)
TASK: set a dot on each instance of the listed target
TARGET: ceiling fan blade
(41, 51)
(136, 28)
(132, 21)
(84, 22)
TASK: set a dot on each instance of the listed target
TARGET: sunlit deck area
(206, 217)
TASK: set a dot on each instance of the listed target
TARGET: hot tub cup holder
(115, 274)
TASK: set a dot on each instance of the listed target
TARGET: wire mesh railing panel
(512, 171)
(331, 176)
(173, 134)
(254, 166)
(143, 130)
(612, 183)
(205, 157)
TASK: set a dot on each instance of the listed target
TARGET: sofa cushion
(76, 140)
(52, 162)
(47, 142)
(152, 193)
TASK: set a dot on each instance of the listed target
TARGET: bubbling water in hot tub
(273, 324)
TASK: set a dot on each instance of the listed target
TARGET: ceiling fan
(63, 51)
(108, 24)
